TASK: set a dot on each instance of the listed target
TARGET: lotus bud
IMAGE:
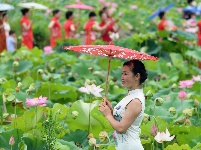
(187, 122)
(149, 93)
(15, 64)
(196, 102)
(154, 130)
(90, 136)
(11, 141)
(75, 114)
(40, 71)
(103, 137)
(87, 81)
(182, 95)
(158, 101)
(146, 118)
(174, 85)
(163, 76)
(188, 112)
(172, 110)
(19, 85)
(92, 141)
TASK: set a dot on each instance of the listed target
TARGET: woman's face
(58, 15)
(6, 17)
(27, 14)
(129, 80)
(104, 16)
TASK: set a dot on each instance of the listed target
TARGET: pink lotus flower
(134, 7)
(197, 78)
(36, 101)
(154, 130)
(101, 1)
(12, 141)
(111, 11)
(48, 50)
(114, 5)
(186, 84)
(107, 4)
(162, 136)
(179, 10)
(182, 95)
(91, 89)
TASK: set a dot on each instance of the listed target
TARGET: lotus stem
(163, 146)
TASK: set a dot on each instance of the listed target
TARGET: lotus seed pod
(174, 85)
(158, 101)
(172, 110)
(75, 114)
(15, 64)
(146, 118)
(40, 71)
(188, 112)
(169, 64)
(187, 122)
(196, 102)
(103, 137)
(163, 76)
(92, 141)
(19, 85)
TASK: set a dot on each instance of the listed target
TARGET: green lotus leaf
(177, 147)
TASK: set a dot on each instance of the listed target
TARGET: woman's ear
(137, 76)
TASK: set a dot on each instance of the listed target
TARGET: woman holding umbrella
(2, 34)
(26, 28)
(91, 27)
(127, 115)
(55, 27)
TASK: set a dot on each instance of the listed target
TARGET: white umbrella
(4, 7)
(33, 5)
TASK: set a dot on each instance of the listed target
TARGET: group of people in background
(91, 27)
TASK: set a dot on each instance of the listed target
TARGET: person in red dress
(26, 28)
(163, 22)
(69, 26)
(111, 28)
(2, 34)
(199, 37)
(91, 26)
(55, 27)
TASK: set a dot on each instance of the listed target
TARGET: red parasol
(110, 51)
(80, 5)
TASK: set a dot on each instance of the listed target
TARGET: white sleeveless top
(130, 139)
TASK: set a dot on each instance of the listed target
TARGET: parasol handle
(107, 77)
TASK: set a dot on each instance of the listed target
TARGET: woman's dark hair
(137, 66)
(4, 14)
(92, 14)
(69, 14)
(161, 14)
(101, 12)
(11, 32)
(188, 15)
(54, 12)
(104, 9)
(24, 11)
(189, 1)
